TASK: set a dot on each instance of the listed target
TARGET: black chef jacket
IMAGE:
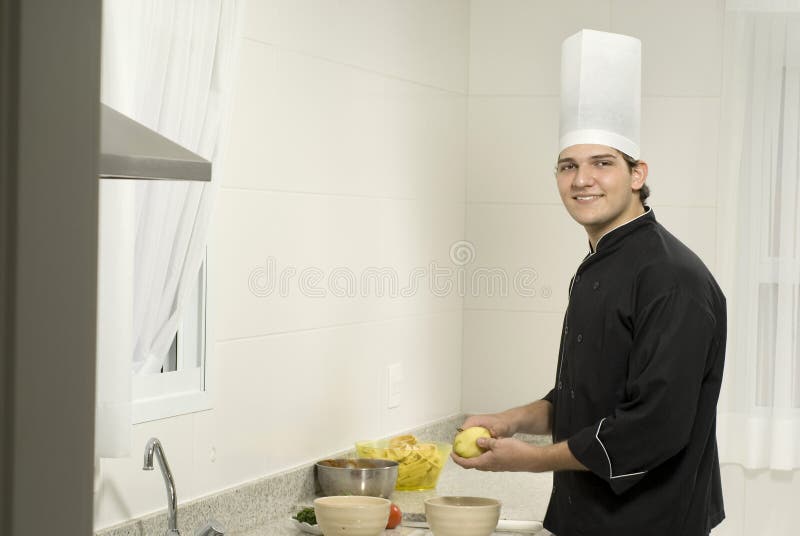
(638, 377)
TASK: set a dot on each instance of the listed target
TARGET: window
(182, 385)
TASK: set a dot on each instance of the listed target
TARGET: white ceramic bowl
(462, 516)
(352, 515)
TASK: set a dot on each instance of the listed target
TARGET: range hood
(130, 150)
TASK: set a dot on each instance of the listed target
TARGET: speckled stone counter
(264, 507)
(524, 497)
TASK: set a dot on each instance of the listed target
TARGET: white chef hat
(601, 90)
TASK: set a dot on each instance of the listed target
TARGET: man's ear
(639, 175)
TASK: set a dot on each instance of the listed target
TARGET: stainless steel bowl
(359, 476)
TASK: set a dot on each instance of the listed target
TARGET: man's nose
(584, 176)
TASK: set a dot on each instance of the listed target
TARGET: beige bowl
(462, 516)
(352, 515)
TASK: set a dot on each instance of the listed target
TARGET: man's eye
(603, 163)
(566, 167)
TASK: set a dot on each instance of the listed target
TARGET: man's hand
(495, 423)
(503, 454)
(533, 418)
(509, 454)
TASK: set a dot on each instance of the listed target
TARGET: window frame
(181, 392)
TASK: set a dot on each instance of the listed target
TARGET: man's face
(597, 188)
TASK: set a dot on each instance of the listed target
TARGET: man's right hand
(497, 425)
(533, 418)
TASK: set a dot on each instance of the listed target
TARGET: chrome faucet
(154, 447)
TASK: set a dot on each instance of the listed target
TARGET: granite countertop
(524, 497)
(263, 507)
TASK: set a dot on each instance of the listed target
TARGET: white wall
(759, 503)
(348, 150)
(514, 216)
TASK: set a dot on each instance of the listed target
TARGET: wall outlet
(394, 375)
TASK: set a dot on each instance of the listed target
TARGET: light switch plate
(394, 385)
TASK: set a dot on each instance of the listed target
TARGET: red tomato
(395, 516)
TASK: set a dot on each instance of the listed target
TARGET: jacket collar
(617, 234)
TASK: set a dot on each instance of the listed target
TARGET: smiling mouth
(586, 197)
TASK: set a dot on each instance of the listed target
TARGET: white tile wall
(513, 144)
(759, 502)
(518, 238)
(305, 124)
(681, 44)
(680, 141)
(311, 393)
(733, 490)
(515, 45)
(430, 348)
(509, 358)
(415, 40)
(771, 499)
(329, 234)
(299, 401)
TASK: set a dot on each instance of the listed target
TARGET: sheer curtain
(168, 65)
(759, 225)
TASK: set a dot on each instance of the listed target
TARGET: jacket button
(559, 385)
(577, 278)
(566, 330)
(572, 393)
(596, 285)
(569, 499)
(580, 337)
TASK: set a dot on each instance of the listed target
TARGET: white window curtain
(168, 65)
(759, 236)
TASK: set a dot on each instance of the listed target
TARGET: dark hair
(644, 192)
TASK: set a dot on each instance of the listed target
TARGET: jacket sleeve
(672, 341)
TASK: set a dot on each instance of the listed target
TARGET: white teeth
(585, 197)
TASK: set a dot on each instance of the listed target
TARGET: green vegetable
(306, 515)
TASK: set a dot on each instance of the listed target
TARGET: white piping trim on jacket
(610, 469)
(646, 211)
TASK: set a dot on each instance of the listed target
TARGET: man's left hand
(503, 454)
(509, 454)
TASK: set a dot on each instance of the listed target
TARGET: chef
(632, 411)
